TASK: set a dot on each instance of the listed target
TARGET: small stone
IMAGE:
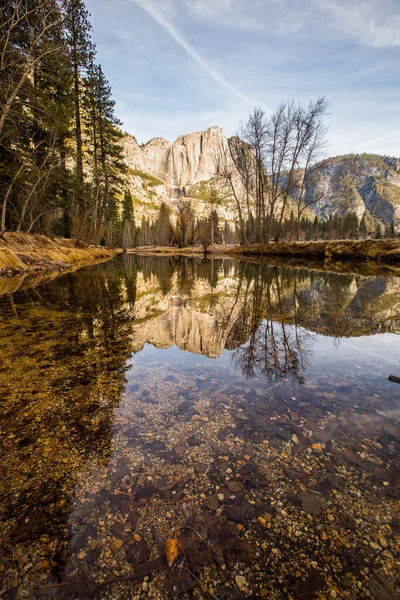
(331, 518)
(221, 497)
(241, 582)
(240, 527)
(45, 565)
(295, 439)
(268, 517)
(385, 483)
(383, 542)
(168, 515)
(137, 537)
(298, 574)
(262, 521)
(274, 550)
(264, 593)
(317, 448)
(81, 555)
(118, 544)
(93, 545)
(145, 586)
(247, 457)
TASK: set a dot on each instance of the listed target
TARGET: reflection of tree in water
(276, 346)
(64, 347)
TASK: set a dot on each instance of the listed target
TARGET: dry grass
(187, 251)
(21, 252)
(382, 251)
(8, 260)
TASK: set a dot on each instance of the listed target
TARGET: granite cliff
(160, 171)
(366, 183)
(186, 170)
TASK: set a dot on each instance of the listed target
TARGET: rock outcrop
(189, 160)
(160, 171)
(367, 184)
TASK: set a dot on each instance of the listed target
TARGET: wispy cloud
(373, 23)
(374, 141)
(192, 53)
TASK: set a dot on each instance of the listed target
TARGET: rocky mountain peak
(161, 171)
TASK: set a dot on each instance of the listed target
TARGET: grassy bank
(23, 253)
(187, 251)
(381, 251)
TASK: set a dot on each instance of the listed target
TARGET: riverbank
(220, 249)
(37, 254)
(381, 251)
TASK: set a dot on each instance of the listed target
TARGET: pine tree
(102, 128)
(378, 232)
(51, 93)
(363, 232)
(128, 221)
(163, 226)
(34, 112)
(81, 51)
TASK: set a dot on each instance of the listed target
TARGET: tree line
(61, 163)
(279, 159)
(185, 229)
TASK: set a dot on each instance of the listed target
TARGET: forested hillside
(60, 155)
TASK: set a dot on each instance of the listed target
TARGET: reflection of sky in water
(367, 360)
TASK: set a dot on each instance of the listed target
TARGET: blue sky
(177, 66)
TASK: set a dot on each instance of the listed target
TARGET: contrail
(195, 56)
(374, 141)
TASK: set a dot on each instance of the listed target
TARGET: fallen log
(394, 379)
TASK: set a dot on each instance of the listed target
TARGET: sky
(178, 66)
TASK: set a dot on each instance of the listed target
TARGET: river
(232, 419)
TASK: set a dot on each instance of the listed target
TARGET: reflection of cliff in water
(205, 307)
(63, 349)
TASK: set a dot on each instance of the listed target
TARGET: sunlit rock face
(194, 158)
(190, 159)
(178, 168)
(374, 189)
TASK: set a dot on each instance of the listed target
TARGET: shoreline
(36, 255)
(382, 252)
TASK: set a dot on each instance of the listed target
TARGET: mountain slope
(366, 183)
(163, 172)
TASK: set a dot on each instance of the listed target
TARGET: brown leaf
(172, 550)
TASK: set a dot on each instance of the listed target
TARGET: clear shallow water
(243, 411)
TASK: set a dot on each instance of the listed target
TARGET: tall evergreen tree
(128, 221)
(81, 51)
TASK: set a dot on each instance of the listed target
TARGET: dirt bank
(187, 251)
(382, 251)
(36, 254)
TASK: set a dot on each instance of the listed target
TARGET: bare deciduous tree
(286, 147)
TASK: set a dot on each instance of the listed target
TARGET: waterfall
(171, 172)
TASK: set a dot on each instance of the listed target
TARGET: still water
(202, 429)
